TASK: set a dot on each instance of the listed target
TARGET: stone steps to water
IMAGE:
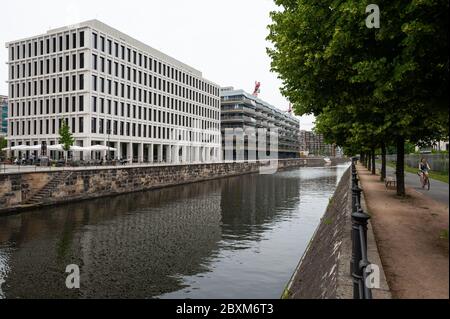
(47, 190)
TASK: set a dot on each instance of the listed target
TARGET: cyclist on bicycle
(424, 168)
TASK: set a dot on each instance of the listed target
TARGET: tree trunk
(374, 171)
(400, 166)
(369, 161)
(383, 162)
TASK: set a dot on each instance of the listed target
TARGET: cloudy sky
(224, 39)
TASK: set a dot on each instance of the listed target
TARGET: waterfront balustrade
(359, 263)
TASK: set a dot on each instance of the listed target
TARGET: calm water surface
(238, 237)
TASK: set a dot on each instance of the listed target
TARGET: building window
(102, 44)
(116, 49)
(81, 103)
(81, 60)
(73, 125)
(82, 39)
(94, 61)
(94, 40)
(94, 104)
(74, 41)
(80, 125)
(94, 125)
(94, 83)
(81, 82)
(74, 83)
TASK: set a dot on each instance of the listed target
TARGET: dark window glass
(82, 39)
(81, 60)
(94, 40)
(81, 82)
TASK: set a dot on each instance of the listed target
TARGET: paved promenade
(412, 238)
(438, 191)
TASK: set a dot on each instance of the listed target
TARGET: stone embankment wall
(317, 275)
(324, 269)
(18, 191)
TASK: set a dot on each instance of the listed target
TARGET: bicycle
(424, 180)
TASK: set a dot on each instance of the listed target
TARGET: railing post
(359, 223)
(356, 204)
(356, 197)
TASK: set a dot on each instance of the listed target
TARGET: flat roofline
(96, 24)
(251, 97)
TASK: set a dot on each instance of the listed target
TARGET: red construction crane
(256, 90)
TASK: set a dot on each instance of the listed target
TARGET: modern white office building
(111, 90)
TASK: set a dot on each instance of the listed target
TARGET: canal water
(238, 237)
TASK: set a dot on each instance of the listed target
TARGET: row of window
(110, 127)
(74, 82)
(58, 105)
(47, 126)
(76, 104)
(46, 107)
(121, 128)
(48, 86)
(68, 62)
(130, 55)
(49, 45)
(140, 112)
(124, 90)
(281, 123)
(136, 76)
(276, 113)
(61, 84)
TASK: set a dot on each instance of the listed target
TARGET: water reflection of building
(252, 200)
(138, 245)
(255, 200)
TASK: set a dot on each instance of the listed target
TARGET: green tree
(390, 80)
(65, 137)
(3, 144)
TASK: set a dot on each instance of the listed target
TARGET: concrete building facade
(111, 90)
(241, 110)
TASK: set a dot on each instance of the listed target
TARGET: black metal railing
(359, 263)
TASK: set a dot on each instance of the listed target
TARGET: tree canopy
(366, 87)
